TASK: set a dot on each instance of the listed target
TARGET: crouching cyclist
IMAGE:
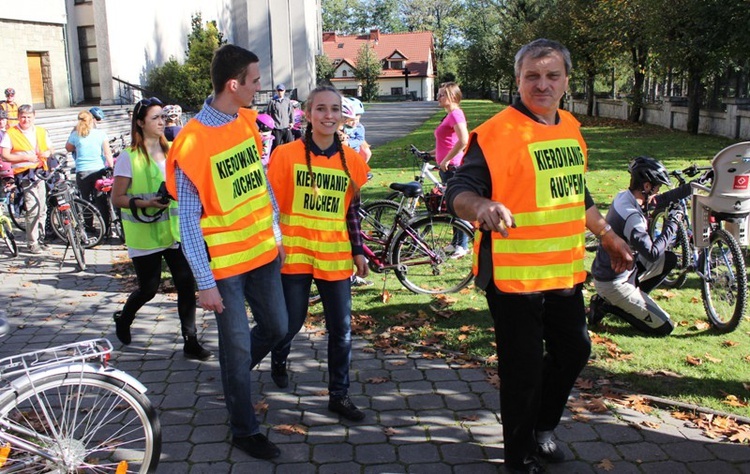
(626, 294)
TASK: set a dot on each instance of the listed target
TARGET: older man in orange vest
(522, 182)
(27, 147)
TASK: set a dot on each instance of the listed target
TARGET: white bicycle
(64, 410)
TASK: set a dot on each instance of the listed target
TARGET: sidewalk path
(423, 415)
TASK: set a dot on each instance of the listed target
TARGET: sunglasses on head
(145, 104)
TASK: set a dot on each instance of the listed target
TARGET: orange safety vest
(313, 223)
(224, 165)
(537, 172)
(12, 111)
(21, 144)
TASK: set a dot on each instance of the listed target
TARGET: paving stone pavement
(427, 416)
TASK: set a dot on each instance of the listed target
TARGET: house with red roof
(408, 61)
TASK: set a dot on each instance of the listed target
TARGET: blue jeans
(241, 349)
(336, 297)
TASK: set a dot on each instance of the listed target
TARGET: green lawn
(460, 322)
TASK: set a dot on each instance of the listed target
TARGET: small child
(351, 110)
(265, 125)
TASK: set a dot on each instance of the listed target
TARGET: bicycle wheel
(8, 238)
(724, 287)
(82, 422)
(74, 241)
(680, 245)
(17, 208)
(87, 213)
(420, 253)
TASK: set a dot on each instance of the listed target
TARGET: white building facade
(83, 45)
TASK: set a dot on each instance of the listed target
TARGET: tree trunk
(639, 55)
(590, 94)
(695, 98)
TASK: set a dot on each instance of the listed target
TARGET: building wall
(34, 26)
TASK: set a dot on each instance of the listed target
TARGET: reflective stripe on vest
(21, 144)
(539, 176)
(145, 181)
(224, 165)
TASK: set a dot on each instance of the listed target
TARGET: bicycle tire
(724, 289)
(680, 246)
(84, 210)
(17, 208)
(74, 242)
(420, 272)
(8, 238)
(93, 422)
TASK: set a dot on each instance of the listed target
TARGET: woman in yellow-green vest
(316, 181)
(149, 218)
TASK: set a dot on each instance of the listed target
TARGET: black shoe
(279, 374)
(596, 310)
(122, 328)
(257, 446)
(531, 465)
(550, 452)
(194, 350)
(344, 407)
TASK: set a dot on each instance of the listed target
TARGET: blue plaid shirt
(191, 209)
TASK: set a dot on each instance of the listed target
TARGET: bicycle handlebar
(422, 155)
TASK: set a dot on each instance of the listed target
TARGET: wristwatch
(601, 233)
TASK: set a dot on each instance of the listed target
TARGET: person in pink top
(451, 138)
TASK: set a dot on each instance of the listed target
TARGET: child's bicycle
(64, 410)
(6, 225)
(719, 226)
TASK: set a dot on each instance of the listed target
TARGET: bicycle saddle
(410, 190)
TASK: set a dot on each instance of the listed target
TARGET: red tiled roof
(415, 47)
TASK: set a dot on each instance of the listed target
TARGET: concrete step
(60, 122)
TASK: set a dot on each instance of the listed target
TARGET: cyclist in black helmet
(626, 294)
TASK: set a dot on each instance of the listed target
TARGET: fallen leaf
(369, 350)
(584, 384)
(733, 401)
(322, 393)
(606, 464)
(696, 361)
(291, 429)
(261, 406)
(377, 380)
(696, 300)
(581, 418)
(729, 343)
(386, 296)
(462, 337)
(470, 418)
(651, 424)
(397, 362)
(711, 359)
(390, 431)
(701, 325)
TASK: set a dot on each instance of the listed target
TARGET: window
(397, 91)
(396, 64)
(344, 73)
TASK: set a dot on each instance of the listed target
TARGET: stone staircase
(60, 122)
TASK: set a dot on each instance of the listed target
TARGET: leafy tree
(189, 83)
(367, 70)
(699, 37)
(339, 15)
(324, 69)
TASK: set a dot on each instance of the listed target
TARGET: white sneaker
(460, 252)
(449, 249)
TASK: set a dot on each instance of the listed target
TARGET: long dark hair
(140, 111)
(336, 140)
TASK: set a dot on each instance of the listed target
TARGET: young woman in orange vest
(150, 222)
(320, 226)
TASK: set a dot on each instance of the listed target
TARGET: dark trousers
(86, 183)
(542, 346)
(281, 136)
(148, 273)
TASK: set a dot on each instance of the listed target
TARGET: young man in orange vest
(27, 148)
(230, 233)
(522, 181)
